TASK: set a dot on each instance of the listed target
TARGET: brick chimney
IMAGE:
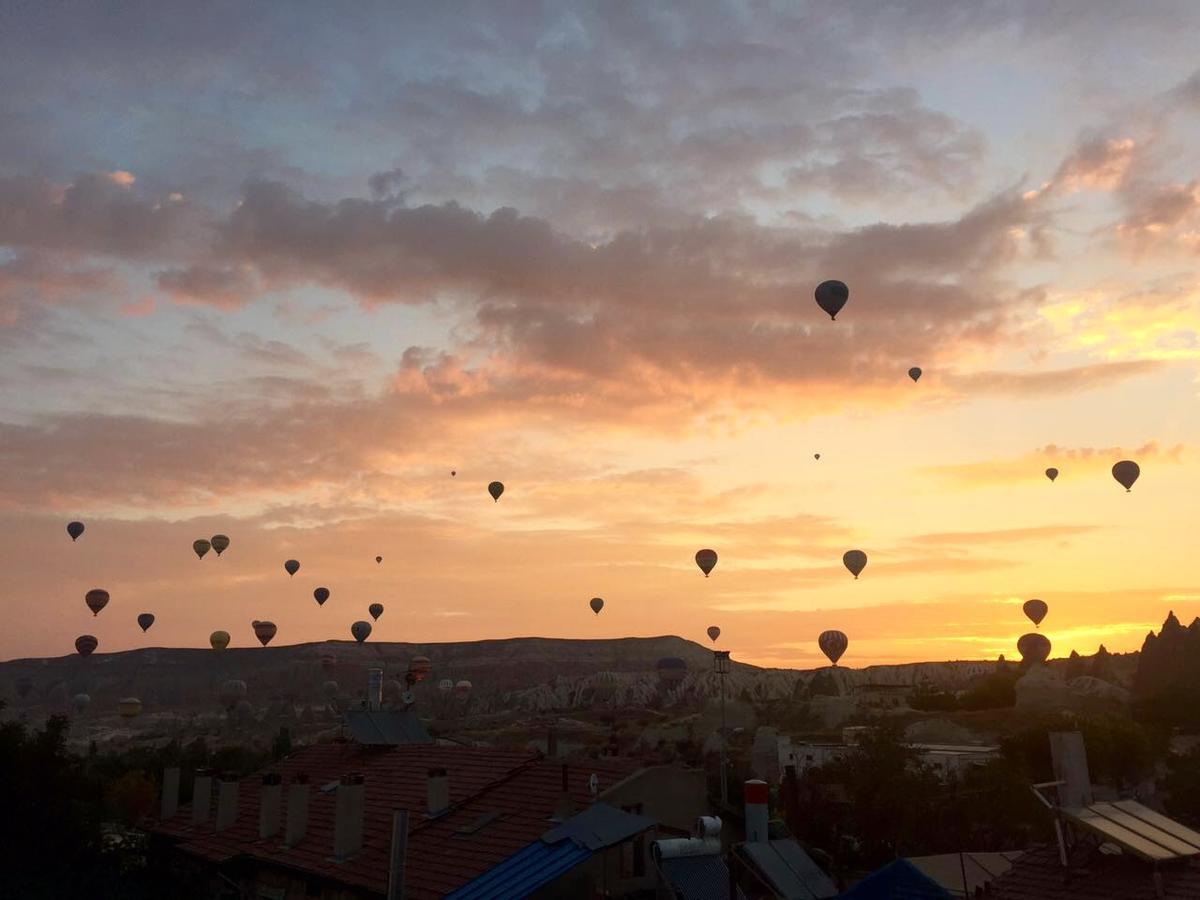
(227, 801)
(438, 792)
(297, 811)
(170, 793)
(757, 796)
(270, 800)
(201, 797)
(348, 817)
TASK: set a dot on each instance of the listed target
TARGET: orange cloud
(1070, 460)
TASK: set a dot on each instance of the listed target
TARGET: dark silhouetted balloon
(220, 543)
(219, 640)
(264, 631)
(376, 610)
(855, 561)
(713, 633)
(328, 661)
(292, 566)
(331, 689)
(86, 644)
(453, 473)
(81, 702)
(816, 456)
(201, 546)
(706, 559)
(914, 373)
(833, 644)
(130, 708)
(1052, 473)
(1034, 647)
(96, 599)
(145, 620)
(1126, 472)
(1035, 611)
(231, 692)
(74, 529)
(378, 559)
(671, 669)
(420, 667)
(321, 594)
(361, 630)
(445, 685)
(596, 604)
(496, 489)
(832, 296)
(462, 688)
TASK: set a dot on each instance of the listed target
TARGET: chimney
(551, 743)
(201, 797)
(297, 811)
(268, 808)
(348, 817)
(439, 792)
(563, 810)
(227, 801)
(791, 797)
(375, 688)
(170, 793)
(756, 795)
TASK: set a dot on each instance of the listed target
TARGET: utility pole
(721, 665)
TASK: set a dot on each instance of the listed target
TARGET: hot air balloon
(914, 373)
(462, 688)
(130, 708)
(24, 686)
(671, 669)
(1126, 472)
(219, 640)
(816, 456)
(292, 566)
(420, 667)
(376, 610)
(220, 543)
(1052, 473)
(706, 559)
(596, 604)
(321, 594)
(328, 661)
(74, 529)
(453, 473)
(832, 296)
(496, 489)
(855, 561)
(1035, 611)
(331, 689)
(85, 644)
(713, 633)
(231, 692)
(361, 630)
(1034, 647)
(445, 685)
(833, 644)
(81, 702)
(201, 546)
(378, 559)
(264, 631)
(145, 620)
(96, 599)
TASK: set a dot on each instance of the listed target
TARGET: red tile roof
(518, 785)
(1038, 875)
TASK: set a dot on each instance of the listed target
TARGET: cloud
(1070, 460)
(1098, 163)
(1001, 536)
(1053, 381)
(224, 288)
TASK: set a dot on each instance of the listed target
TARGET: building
(948, 760)
(320, 823)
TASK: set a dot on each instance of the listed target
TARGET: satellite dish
(408, 698)
(594, 784)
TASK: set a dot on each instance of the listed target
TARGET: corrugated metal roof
(900, 880)
(698, 877)
(790, 870)
(599, 826)
(378, 727)
(1039, 875)
(528, 869)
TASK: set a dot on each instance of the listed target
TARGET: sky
(276, 270)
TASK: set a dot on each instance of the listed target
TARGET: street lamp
(721, 666)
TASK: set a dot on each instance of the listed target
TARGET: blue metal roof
(524, 872)
(900, 880)
(380, 727)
